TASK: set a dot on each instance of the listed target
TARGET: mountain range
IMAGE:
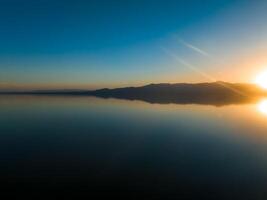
(214, 93)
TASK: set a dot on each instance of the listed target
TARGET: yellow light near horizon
(261, 80)
(262, 106)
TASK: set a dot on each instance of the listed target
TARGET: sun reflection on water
(262, 107)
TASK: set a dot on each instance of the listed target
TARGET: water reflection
(183, 99)
(111, 145)
(262, 107)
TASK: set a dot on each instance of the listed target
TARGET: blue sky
(110, 43)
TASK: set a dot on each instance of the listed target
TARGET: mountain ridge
(212, 93)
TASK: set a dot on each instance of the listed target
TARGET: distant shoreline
(81, 91)
(215, 93)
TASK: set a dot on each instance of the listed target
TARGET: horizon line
(21, 90)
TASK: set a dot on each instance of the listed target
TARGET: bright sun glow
(261, 80)
(262, 106)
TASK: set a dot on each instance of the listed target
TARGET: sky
(115, 43)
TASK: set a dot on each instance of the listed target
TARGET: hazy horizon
(92, 88)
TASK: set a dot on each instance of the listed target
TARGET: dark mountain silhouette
(216, 93)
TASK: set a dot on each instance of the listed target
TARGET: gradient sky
(111, 43)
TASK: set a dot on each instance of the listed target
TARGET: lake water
(133, 149)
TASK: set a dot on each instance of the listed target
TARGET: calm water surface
(133, 148)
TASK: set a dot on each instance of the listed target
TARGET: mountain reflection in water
(82, 144)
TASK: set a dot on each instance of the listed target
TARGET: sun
(262, 106)
(261, 80)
